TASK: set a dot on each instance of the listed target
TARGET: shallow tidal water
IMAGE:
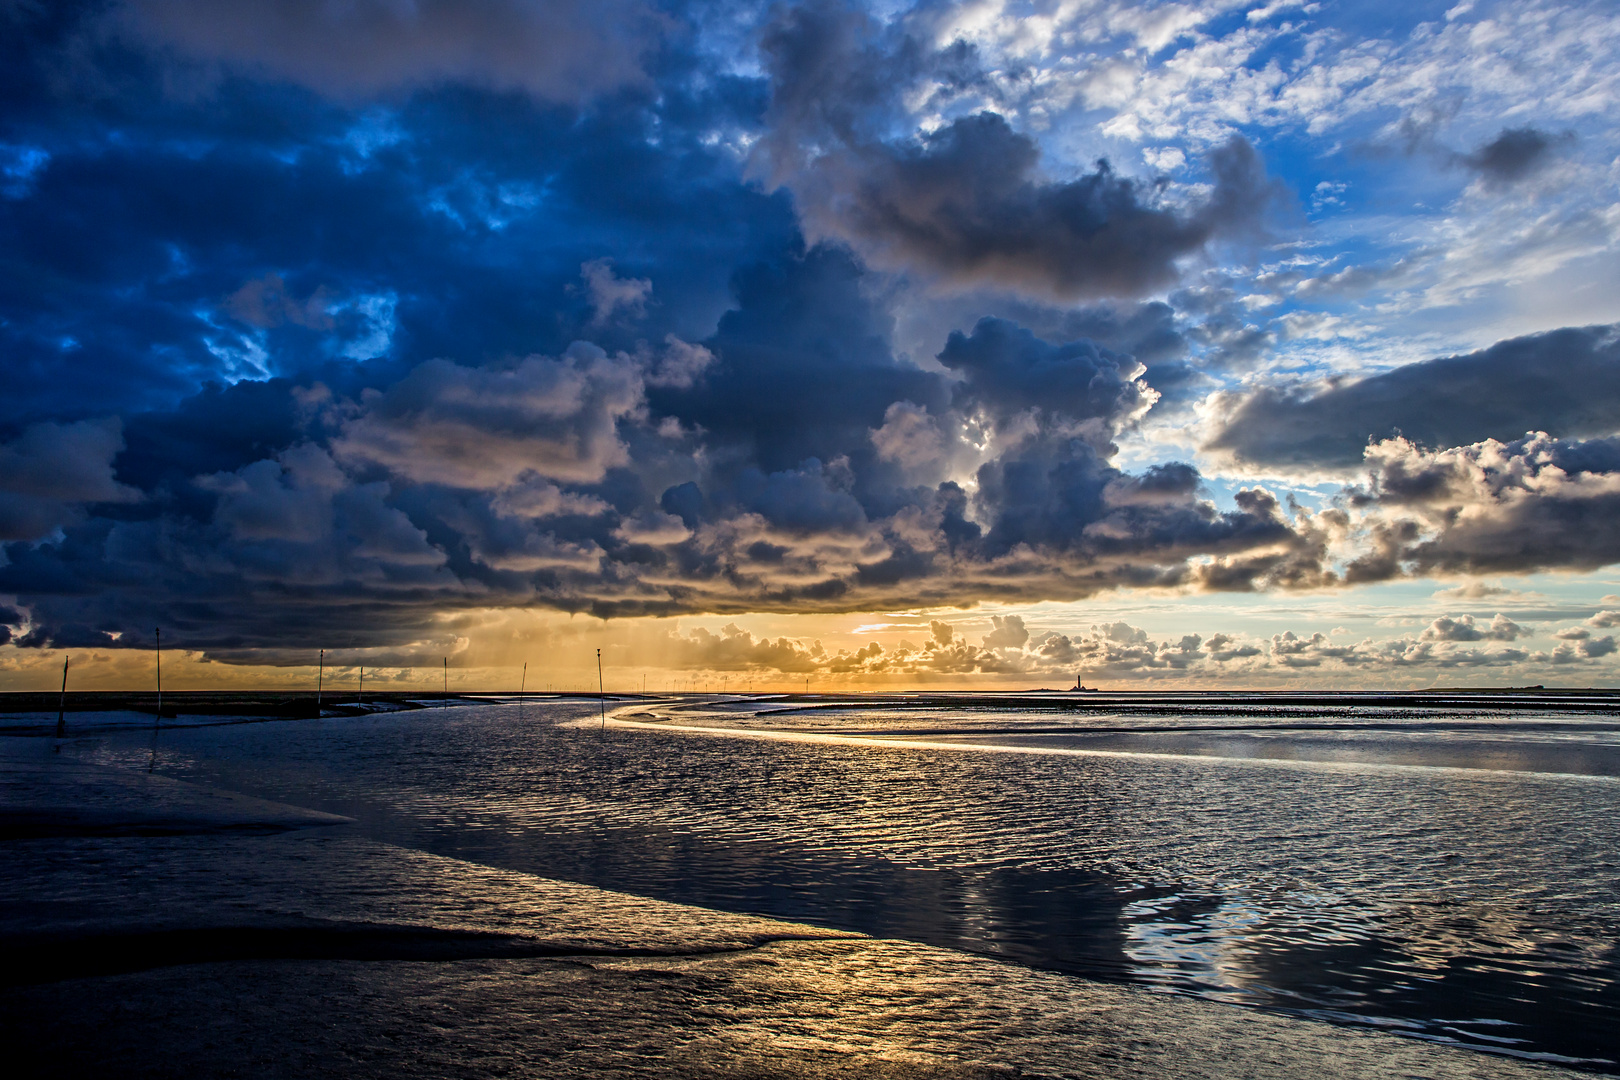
(1447, 874)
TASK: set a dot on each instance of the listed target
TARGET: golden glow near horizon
(1406, 635)
(1308, 394)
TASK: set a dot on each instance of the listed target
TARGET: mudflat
(166, 929)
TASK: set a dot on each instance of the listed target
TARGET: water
(1446, 873)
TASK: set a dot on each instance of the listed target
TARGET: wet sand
(171, 930)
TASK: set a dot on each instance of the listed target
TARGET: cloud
(1565, 381)
(489, 428)
(573, 482)
(909, 436)
(51, 473)
(198, 234)
(680, 365)
(1008, 633)
(1153, 333)
(298, 520)
(1290, 650)
(1599, 647)
(1463, 628)
(790, 462)
(965, 202)
(1491, 507)
(362, 48)
(803, 367)
(264, 303)
(610, 294)
(371, 371)
(1513, 155)
(1223, 648)
(1054, 411)
(1114, 652)
(1481, 590)
(1007, 372)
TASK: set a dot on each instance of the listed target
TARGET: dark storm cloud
(283, 371)
(1151, 332)
(1055, 410)
(51, 472)
(1059, 494)
(967, 203)
(358, 48)
(159, 246)
(1514, 155)
(1006, 370)
(804, 366)
(589, 481)
(1566, 382)
(1148, 332)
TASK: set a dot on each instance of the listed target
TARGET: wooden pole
(523, 682)
(601, 694)
(157, 721)
(360, 695)
(61, 709)
(445, 699)
(320, 673)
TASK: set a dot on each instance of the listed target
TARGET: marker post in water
(61, 708)
(320, 674)
(157, 721)
(601, 694)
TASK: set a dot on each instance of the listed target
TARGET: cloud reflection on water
(1449, 902)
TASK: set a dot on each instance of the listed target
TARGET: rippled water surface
(1448, 873)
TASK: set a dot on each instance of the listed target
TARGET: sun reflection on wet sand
(635, 987)
(1445, 900)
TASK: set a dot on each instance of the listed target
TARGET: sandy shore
(161, 929)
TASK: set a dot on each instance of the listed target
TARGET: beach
(201, 934)
(163, 923)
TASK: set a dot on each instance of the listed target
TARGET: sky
(985, 344)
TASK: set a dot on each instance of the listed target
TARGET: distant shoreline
(301, 704)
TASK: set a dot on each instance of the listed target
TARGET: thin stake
(360, 696)
(522, 683)
(61, 711)
(157, 721)
(320, 673)
(444, 701)
(601, 695)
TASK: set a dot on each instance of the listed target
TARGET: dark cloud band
(1566, 382)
